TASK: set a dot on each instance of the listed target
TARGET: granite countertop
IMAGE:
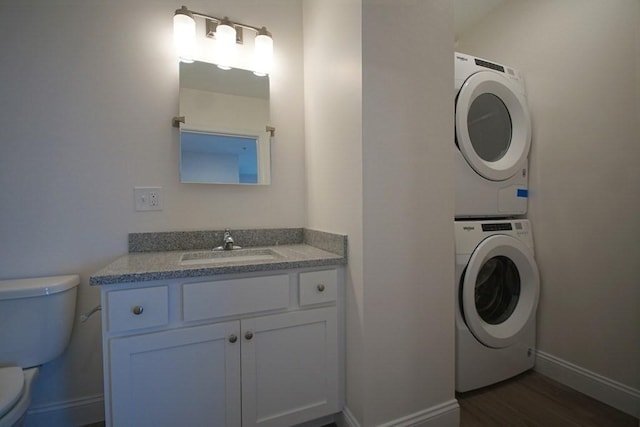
(306, 248)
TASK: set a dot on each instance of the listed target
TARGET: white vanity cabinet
(178, 377)
(236, 350)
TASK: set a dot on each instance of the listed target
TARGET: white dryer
(493, 137)
(497, 290)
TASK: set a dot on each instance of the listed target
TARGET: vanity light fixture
(227, 35)
(225, 43)
(184, 34)
(263, 53)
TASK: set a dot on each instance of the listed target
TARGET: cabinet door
(289, 368)
(183, 377)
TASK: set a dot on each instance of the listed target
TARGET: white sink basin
(225, 257)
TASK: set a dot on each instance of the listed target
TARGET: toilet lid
(11, 387)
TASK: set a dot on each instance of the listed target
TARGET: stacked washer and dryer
(497, 280)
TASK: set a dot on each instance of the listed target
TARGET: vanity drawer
(221, 298)
(137, 308)
(317, 287)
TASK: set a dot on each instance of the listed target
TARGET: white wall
(333, 138)
(87, 99)
(408, 207)
(379, 159)
(581, 64)
(87, 95)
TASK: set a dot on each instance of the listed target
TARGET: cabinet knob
(233, 338)
(320, 287)
(248, 335)
(137, 310)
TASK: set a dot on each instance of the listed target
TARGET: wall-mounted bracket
(271, 130)
(175, 122)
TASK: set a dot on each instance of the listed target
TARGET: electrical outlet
(154, 199)
(148, 198)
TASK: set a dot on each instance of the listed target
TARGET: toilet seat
(11, 387)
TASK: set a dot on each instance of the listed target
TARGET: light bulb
(184, 34)
(263, 55)
(225, 44)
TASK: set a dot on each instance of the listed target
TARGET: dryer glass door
(493, 128)
(499, 294)
(489, 125)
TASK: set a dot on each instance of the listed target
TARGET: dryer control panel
(497, 226)
(505, 226)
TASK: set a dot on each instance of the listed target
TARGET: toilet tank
(36, 318)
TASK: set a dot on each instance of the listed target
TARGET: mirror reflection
(211, 157)
(224, 138)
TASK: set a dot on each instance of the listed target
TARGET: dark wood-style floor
(532, 400)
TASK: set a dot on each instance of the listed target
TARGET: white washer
(497, 290)
(493, 137)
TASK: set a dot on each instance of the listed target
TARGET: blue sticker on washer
(522, 192)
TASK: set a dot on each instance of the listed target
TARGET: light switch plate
(148, 198)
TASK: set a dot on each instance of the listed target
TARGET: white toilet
(36, 318)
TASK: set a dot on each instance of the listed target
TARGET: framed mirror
(224, 138)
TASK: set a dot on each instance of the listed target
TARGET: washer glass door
(497, 289)
(500, 288)
(493, 128)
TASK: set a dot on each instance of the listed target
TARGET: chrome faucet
(227, 240)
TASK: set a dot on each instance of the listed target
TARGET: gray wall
(581, 64)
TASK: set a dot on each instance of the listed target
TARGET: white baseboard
(446, 414)
(348, 420)
(320, 422)
(90, 410)
(613, 393)
(76, 412)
